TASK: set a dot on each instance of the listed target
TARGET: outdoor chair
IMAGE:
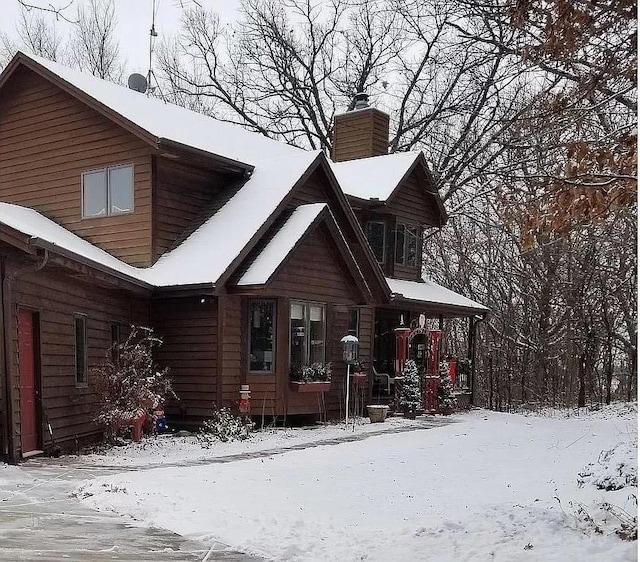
(383, 379)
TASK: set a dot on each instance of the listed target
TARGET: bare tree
(288, 67)
(38, 35)
(93, 45)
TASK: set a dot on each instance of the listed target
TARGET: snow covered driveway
(492, 487)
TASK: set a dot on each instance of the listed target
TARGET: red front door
(28, 383)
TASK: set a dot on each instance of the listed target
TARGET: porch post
(5, 384)
(472, 356)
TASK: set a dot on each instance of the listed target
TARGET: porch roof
(437, 297)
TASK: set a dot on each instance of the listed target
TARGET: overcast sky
(133, 22)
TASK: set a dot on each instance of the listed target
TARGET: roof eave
(222, 162)
(440, 307)
(37, 242)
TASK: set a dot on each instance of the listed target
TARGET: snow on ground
(491, 487)
(170, 450)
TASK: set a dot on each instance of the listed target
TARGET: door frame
(37, 372)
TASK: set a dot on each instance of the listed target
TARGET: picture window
(308, 330)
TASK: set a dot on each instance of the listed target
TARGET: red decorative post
(453, 362)
(432, 378)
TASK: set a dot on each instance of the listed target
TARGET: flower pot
(359, 379)
(377, 413)
(316, 386)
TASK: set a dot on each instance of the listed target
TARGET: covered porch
(429, 324)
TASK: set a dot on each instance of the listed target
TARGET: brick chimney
(361, 132)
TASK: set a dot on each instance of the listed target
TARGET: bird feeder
(350, 356)
(350, 349)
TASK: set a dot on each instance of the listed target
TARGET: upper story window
(108, 191)
(375, 233)
(406, 250)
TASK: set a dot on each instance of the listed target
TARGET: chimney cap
(361, 100)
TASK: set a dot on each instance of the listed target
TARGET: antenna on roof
(152, 36)
(137, 82)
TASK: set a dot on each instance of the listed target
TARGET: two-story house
(248, 256)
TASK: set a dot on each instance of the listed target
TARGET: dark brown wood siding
(56, 298)
(360, 134)
(47, 139)
(411, 203)
(315, 272)
(189, 330)
(230, 349)
(182, 195)
(317, 190)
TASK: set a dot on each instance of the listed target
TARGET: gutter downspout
(5, 326)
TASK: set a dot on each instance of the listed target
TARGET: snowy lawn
(491, 487)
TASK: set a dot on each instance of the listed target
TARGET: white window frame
(307, 351)
(406, 226)
(106, 171)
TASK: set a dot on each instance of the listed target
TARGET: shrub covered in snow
(129, 383)
(410, 391)
(615, 472)
(615, 469)
(446, 399)
(224, 426)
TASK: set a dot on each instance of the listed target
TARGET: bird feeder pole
(350, 356)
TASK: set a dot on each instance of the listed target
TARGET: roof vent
(360, 101)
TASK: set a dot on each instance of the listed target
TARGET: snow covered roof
(281, 245)
(205, 255)
(209, 251)
(35, 225)
(168, 121)
(432, 293)
(376, 177)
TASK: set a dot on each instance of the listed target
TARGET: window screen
(107, 192)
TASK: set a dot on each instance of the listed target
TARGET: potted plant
(358, 373)
(311, 378)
